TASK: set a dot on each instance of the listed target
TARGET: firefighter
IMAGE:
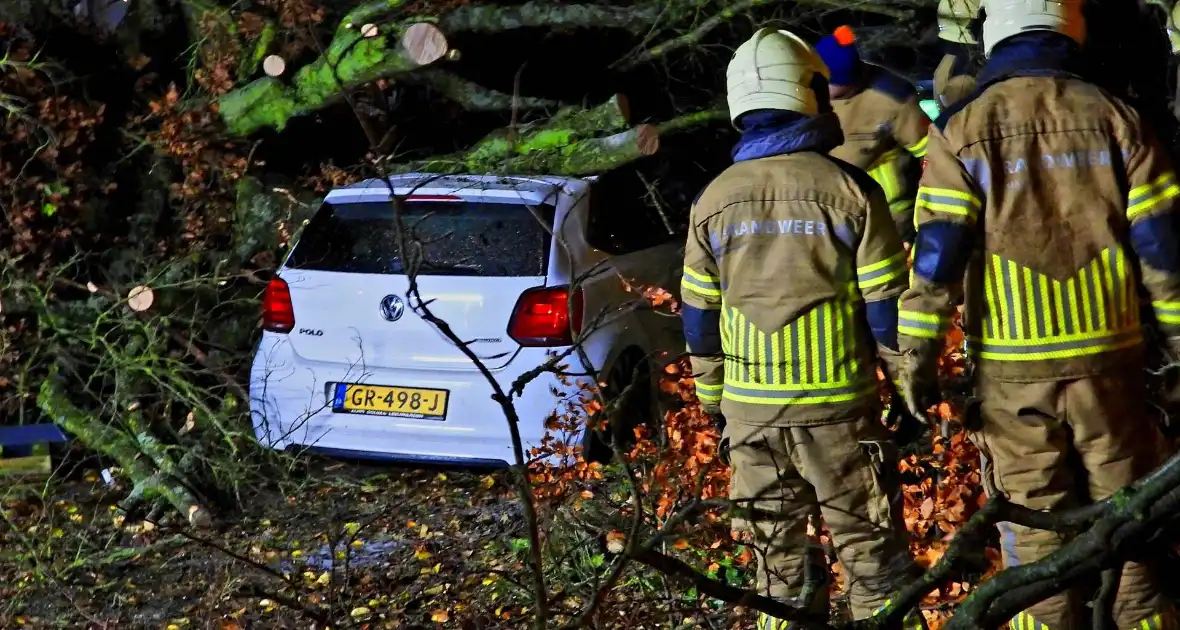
(791, 264)
(884, 126)
(953, 78)
(1058, 206)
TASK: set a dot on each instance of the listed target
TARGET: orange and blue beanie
(838, 51)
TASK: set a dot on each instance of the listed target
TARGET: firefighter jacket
(884, 131)
(952, 80)
(791, 269)
(1059, 206)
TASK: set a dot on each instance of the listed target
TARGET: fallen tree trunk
(474, 97)
(586, 157)
(488, 18)
(568, 125)
(565, 144)
(350, 61)
(155, 474)
(591, 156)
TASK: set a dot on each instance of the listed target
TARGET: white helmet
(1007, 18)
(954, 20)
(773, 70)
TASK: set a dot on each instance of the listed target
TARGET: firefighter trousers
(781, 476)
(1058, 445)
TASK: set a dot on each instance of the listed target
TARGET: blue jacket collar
(770, 133)
(1034, 54)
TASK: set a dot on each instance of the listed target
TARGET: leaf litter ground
(381, 547)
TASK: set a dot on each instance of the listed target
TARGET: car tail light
(542, 317)
(278, 315)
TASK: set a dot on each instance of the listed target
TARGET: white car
(347, 367)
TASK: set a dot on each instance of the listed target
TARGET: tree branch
(472, 96)
(729, 594)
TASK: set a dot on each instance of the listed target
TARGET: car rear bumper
(290, 406)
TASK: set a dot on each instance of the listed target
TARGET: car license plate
(399, 402)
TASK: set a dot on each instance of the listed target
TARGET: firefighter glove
(918, 382)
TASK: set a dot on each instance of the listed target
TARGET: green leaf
(597, 560)
(48, 209)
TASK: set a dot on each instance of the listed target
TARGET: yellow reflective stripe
(1071, 296)
(887, 157)
(1012, 291)
(741, 360)
(920, 325)
(1062, 313)
(885, 174)
(1031, 317)
(687, 287)
(1000, 314)
(703, 278)
(1030, 307)
(1046, 307)
(919, 148)
(813, 321)
(742, 393)
(1167, 312)
(708, 392)
(892, 261)
(1025, 621)
(1084, 345)
(1087, 317)
(808, 361)
(776, 360)
(993, 305)
(1154, 622)
(948, 201)
(901, 205)
(882, 271)
(844, 314)
(1146, 197)
(923, 317)
(1146, 192)
(699, 283)
(1108, 280)
(1098, 293)
(727, 340)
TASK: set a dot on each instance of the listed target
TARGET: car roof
(492, 188)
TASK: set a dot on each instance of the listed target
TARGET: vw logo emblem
(392, 308)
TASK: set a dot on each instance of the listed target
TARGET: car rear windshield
(456, 238)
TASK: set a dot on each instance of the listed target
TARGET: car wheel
(638, 407)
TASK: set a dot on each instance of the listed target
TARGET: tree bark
(474, 97)
(349, 62)
(152, 470)
(586, 157)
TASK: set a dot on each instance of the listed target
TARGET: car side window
(621, 219)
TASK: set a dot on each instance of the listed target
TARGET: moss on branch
(585, 157)
(567, 126)
(350, 61)
(151, 468)
(250, 63)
